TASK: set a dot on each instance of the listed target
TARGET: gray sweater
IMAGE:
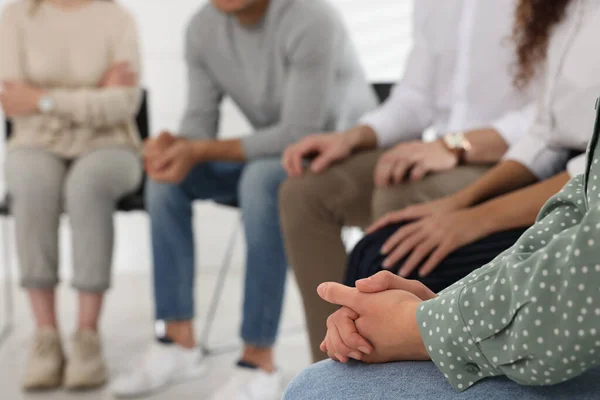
(293, 74)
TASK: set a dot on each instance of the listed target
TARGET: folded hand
(377, 325)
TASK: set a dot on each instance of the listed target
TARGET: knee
(386, 200)
(162, 195)
(260, 183)
(309, 384)
(84, 186)
(34, 193)
(301, 196)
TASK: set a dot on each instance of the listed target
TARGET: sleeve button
(472, 368)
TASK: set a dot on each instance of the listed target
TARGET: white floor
(127, 324)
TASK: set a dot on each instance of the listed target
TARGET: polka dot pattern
(533, 313)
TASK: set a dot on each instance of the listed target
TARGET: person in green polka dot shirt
(532, 315)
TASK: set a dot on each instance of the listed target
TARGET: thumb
(382, 281)
(386, 280)
(340, 295)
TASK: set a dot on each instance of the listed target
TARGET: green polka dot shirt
(532, 314)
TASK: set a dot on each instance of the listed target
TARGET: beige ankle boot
(86, 368)
(46, 362)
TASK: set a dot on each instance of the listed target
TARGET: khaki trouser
(314, 209)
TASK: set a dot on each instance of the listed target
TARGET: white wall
(380, 28)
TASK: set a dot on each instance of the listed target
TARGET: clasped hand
(377, 322)
(168, 158)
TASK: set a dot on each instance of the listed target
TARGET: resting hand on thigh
(412, 213)
(387, 320)
(430, 240)
(412, 161)
(327, 148)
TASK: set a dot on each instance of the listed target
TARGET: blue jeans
(422, 381)
(255, 187)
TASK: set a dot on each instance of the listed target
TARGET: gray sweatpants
(42, 185)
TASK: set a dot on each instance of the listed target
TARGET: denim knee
(260, 183)
(160, 195)
(300, 387)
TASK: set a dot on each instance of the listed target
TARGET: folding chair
(133, 202)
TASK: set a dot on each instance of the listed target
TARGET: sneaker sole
(42, 387)
(84, 386)
(189, 376)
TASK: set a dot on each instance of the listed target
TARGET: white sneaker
(251, 384)
(163, 366)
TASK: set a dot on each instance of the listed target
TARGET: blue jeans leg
(170, 208)
(422, 381)
(266, 264)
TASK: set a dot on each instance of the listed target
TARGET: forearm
(96, 107)
(487, 146)
(503, 178)
(520, 208)
(218, 150)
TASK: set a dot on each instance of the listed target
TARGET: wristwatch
(46, 104)
(457, 143)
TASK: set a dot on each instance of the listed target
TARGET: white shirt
(565, 119)
(458, 75)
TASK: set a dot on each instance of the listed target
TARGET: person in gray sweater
(291, 68)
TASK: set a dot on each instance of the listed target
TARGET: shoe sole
(82, 387)
(42, 387)
(190, 376)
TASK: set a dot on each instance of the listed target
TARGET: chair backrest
(142, 119)
(382, 90)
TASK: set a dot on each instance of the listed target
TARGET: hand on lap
(375, 327)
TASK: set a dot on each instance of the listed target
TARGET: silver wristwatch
(46, 104)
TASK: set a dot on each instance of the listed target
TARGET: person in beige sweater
(69, 73)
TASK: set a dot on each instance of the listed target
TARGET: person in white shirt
(458, 88)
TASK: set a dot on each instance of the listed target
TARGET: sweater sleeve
(204, 95)
(105, 107)
(314, 50)
(532, 314)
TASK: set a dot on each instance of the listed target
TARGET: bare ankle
(181, 333)
(262, 357)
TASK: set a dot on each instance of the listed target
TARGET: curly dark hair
(535, 21)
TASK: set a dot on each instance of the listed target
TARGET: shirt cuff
(449, 342)
(379, 124)
(540, 159)
(513, 125)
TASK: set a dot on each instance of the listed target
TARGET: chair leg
(218, 292)
(8, 290)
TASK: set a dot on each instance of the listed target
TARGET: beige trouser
(314, 209)
(42, 185)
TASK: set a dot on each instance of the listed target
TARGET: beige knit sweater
(67, 52)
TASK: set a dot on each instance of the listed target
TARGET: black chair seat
(134, 202)
(4, 208)
(230, 203)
